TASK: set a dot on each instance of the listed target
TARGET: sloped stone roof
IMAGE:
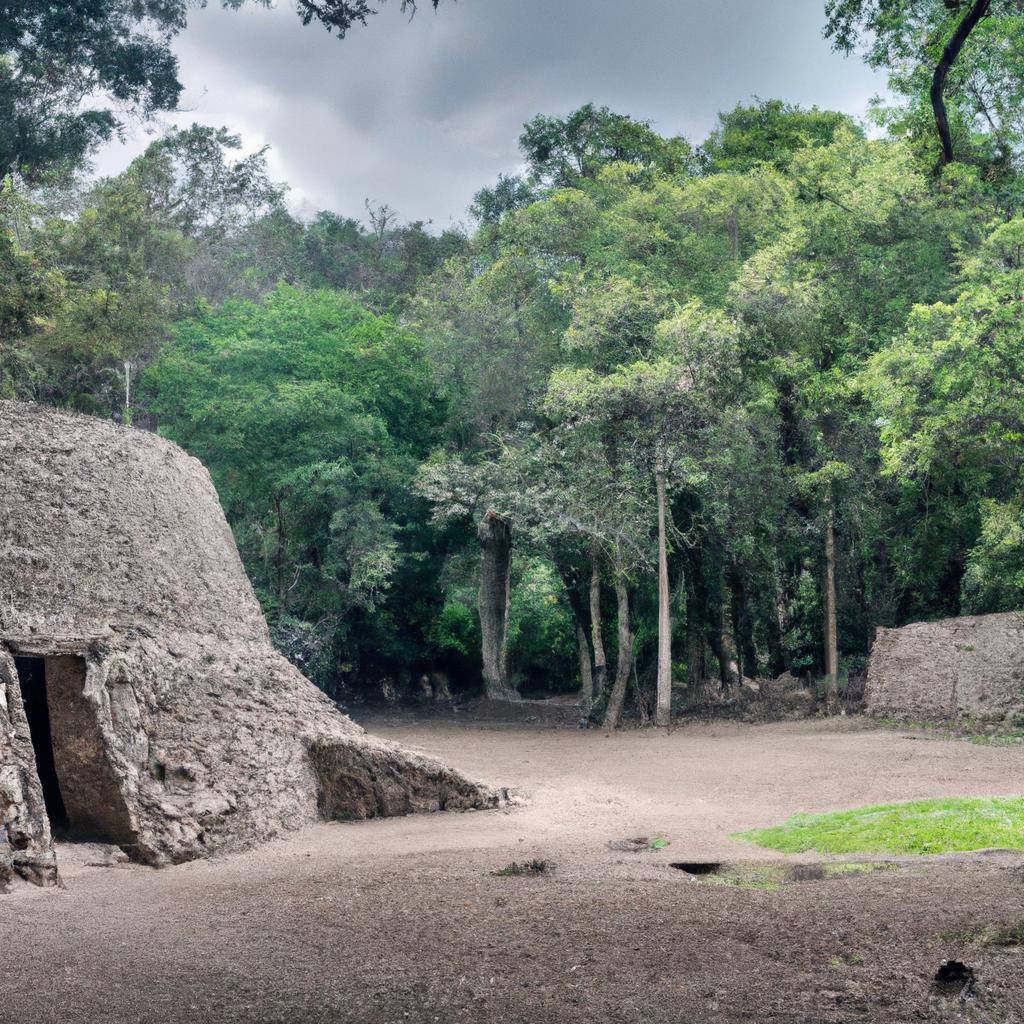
(114, 550)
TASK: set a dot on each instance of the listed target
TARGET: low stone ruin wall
(968, 667)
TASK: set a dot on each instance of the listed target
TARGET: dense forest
(756, 394)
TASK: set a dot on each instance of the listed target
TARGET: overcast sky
(421, 114)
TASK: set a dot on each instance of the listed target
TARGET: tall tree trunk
(625, 660)
(600, 660)
(586, 666)
(663, 707)
(495, 595)
(776, 621)
(975, 13)
(716, 627)
(579, 617)
(716, 638)
(742, 624)
(831, 632)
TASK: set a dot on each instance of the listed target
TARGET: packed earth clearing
(417, 919)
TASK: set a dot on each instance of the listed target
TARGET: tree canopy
(668, 417)
(960, 59)
(72, 73)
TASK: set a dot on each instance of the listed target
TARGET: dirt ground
(402, 920)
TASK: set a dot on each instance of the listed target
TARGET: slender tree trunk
(776, 620)
(579, 618)
(716, 637)
(742, 624)
(663, 707)
(625, 660)
(600, 660)
(975, 13)
(831, 632)
(126, 413)
(586, 667)
(716, 630)
(495, 594)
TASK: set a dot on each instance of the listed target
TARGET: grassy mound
(921, 826)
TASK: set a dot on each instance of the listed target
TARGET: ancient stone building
(141, 701)
(969, 667)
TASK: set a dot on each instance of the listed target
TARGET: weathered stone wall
(26, 848)
(118, 567)
(969, 667)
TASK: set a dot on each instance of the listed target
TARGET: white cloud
(422, 114)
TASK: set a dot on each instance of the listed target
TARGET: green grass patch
(921, 826)
(768, 878)
(530, 867)
(997, 935)
(1006, 739)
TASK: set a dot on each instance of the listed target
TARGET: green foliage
(509, 193)
(68, 71)
(540, 633)
(769, 131)
(921, 826)
(560, 152)
(310, 413)
(951, 410)
(983, 88)
(989, 936)
(456, 629)
(795, 329)
(994, 579)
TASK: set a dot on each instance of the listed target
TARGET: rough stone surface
(970, 667)
(177, 728)
(26, 847)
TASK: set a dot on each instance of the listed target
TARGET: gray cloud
(420, 114)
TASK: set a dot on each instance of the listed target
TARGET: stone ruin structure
(969, 667)
(141, 701)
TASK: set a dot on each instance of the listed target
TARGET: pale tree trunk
(586, 669)
(579, 618)
(625, 660)
(600, 660)
(495, 595)
(831, 632)
(663, 708)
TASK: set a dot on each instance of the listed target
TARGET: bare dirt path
(401, 919)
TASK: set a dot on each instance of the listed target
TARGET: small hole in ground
(954, 978)
(698, 867)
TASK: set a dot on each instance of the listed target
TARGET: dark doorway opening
(81, 789)
(32, 676)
